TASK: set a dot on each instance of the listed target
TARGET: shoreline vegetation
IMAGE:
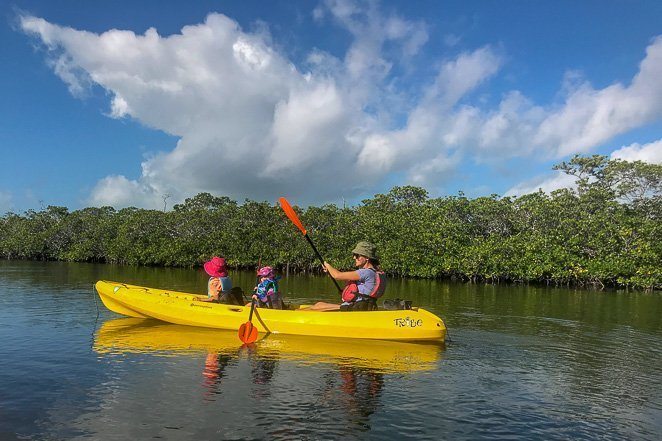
(606, 232)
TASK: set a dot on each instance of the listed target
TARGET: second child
(267, 294)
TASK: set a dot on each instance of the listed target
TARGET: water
(525, 363)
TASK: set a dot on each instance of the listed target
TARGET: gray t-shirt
(367, 280)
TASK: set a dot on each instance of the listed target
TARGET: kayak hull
(184, 309)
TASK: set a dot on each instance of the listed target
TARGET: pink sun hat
(216, 267)
(265, 271)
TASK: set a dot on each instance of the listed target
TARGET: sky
(147, 103)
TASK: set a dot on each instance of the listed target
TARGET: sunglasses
(356, 256)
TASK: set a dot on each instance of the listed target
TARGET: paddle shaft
(257, 276)
(248, 332)
(250, 316)
(319, 256)
(291, 214)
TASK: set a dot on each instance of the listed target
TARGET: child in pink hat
(219, 283)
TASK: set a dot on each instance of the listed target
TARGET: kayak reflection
(124, 335)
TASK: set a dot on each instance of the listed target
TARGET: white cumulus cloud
(651, 152)
(253, 124)
(118, 191)
(547, 184)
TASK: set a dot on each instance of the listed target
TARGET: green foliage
(606, 231)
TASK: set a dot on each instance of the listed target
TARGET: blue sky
(130, 103)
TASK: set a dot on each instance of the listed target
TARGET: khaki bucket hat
(366, 249)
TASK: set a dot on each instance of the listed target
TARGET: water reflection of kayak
(415, 324)
(130, 335)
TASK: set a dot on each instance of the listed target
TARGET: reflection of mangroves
(140, 335)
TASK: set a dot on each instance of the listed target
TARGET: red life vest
(351, 291)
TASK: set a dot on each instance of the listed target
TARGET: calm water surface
(524, 363)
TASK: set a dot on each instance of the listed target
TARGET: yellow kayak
(148, 336)
(415, 324)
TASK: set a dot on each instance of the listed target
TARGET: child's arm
(271, 290)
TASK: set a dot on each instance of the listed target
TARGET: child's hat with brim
(216, 267)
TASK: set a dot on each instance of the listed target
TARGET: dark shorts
(233, 297)
(274, 303)
(363, 305)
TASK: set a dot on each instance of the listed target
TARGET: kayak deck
(184, 309)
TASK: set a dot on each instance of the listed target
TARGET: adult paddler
(363, 286)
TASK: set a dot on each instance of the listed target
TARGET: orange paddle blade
(289, 211)
(247, 332)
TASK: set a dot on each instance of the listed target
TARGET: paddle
(247, 331)
(289, 211)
